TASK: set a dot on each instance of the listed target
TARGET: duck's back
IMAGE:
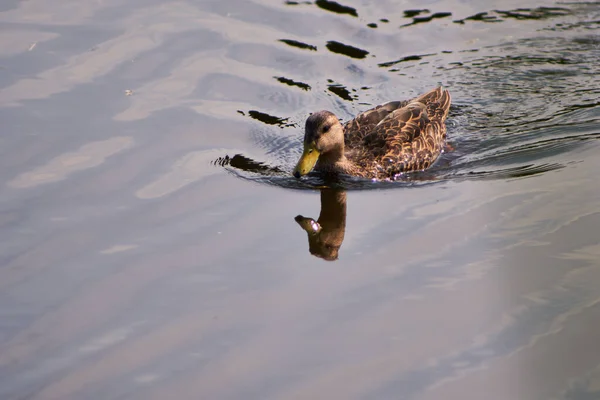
(365, 122)
(398, 136)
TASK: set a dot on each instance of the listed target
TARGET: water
(136, 263)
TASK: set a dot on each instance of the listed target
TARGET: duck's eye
(326, 129)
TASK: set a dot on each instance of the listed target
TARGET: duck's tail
(438, 103)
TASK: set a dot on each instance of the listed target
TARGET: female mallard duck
(380, 143)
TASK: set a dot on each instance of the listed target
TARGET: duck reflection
(326, 234)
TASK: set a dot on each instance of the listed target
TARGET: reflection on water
(336, 7)
(300, 45)
(426, 18)
(88, 156)
(326, 234)
(291, 82)
(269, 119)
(345, 49)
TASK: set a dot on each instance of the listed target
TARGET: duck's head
(322, 243)
(323, 137)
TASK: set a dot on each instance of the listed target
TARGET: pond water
(151, 233)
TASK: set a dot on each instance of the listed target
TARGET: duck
(380, 143)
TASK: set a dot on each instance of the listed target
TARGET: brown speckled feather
(398, 136)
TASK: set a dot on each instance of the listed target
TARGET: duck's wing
(408, 138)
(396, 131)
(437, 102)
(409, 122)
(363, 123)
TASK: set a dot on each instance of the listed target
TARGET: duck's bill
(308, 224)
(307, 162)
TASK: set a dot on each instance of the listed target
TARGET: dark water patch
(590, 25)
(414, 13)
(510, 173)
(291, 82)
(299, 45)
(244, 163)
(543, 148)
(336, 7)
(270, 119)
(501, 161)
(539, 13)
(533, 60)
(259, 171)
(534, 13)
(588, 40)
(428, 18)
(519, 61)
(480, 17)
(341, 91)
(404, 59)
(455, 64)
(347, 50)
(574, 109)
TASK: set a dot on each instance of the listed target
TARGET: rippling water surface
(150, 245)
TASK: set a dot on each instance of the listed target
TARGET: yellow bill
(308, 224)
(307, 161)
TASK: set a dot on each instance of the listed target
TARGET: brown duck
(380, 143)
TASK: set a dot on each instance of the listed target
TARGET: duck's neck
(333, 211)
(333, 156)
